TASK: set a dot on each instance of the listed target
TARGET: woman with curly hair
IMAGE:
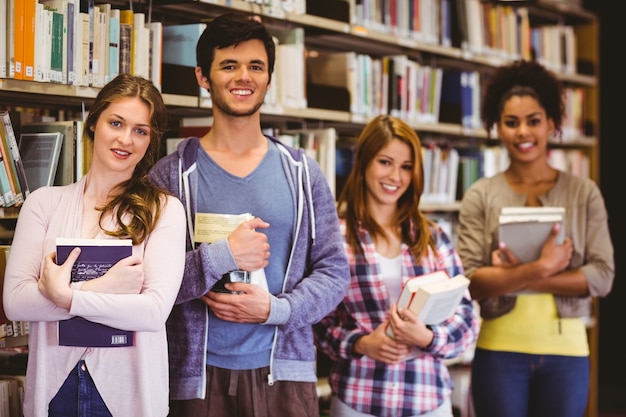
(532, 355)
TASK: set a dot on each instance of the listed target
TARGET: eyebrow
(234, 61)
(513, 116)
(124, 119)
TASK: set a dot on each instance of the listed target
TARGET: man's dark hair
(231, 29)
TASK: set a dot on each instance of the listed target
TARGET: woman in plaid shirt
(387, 241)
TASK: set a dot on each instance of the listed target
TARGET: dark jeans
(520, 385)
(78, 396)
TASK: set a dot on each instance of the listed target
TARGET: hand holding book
(95, 258)
(433, 297)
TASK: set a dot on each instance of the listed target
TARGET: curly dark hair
(523, 78)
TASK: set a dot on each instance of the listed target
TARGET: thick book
(525, 229)
(97, 256)
(433, 297)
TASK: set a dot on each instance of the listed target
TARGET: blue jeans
(506, 384)
(78, 397)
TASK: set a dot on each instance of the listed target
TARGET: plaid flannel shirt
(409, 388)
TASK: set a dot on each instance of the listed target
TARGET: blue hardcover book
(95, 259)
(114, 44)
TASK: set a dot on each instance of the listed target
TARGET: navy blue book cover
(95, 259)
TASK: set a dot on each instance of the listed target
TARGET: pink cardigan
(133, 381)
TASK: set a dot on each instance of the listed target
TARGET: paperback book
(433, 297)
(97, 256)
(525, 229)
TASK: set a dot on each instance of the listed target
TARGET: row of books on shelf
(498, 31)
(12, 332)
(397, 85)
(96, 42)
(11, 395)
(449, 171)
(13, 329)
(44, 153)
(77, 42)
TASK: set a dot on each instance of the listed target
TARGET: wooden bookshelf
(337, 26)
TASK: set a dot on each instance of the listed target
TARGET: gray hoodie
(315, 282)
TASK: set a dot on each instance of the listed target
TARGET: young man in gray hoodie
(249, 352)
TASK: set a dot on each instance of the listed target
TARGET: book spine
(114, 44)
(8, 196)
(140, 48)
(70, 43)
(56, 58)
(3, 40)
(30, 7)
(18, 39)
(62, 7)
(125, 47)
(84, 74)
(87, 7)
(16, 162)
(97, 76)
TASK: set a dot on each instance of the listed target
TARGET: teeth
(242, 92)
(390, 187)
(121, 152)
(525, 145)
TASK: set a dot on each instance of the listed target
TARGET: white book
(322, 145)
(525, 229)
(433, 297)
(3, 40)
(105, 35)
(156, 52)
(84, 66)
(290, 57)
(41, 36)
(10, 38)
(453, 174)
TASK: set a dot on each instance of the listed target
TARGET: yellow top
(534, 327)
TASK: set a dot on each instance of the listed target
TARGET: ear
(202, 80)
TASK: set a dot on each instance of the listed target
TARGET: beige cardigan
(586, 224)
